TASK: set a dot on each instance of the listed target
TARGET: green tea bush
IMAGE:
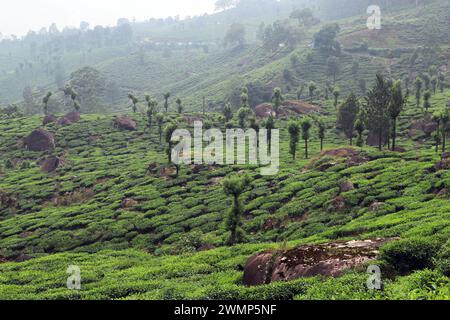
(421, 285)
(443, 259)
(410, 254)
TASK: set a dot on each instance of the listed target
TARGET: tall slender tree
(277, 100)
(270, 125)
(426, 100)
(321, 130)
(347, 113)
(166, 101)
(306, 126)
(418, 85)
(234, 186)
(76, 106)
(396, 105)
(437, 117)
(359, 127)
(179, 105)
(134, 101)
(336, 94)
(170, 129)
(72, 94)
(254, 124)
(377, 108)
(294, 135)
(151, 110)
(45, 101)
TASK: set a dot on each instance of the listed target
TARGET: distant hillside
(187, 57)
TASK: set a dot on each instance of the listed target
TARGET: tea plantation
(137, 233)
(140, 228)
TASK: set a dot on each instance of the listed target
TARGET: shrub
(443, 259)
(410, 254)
(420, 285)
(9, 164)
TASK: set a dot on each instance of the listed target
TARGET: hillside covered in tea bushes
(85, 178)
(138, 233)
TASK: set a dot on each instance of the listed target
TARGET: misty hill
(188, 59)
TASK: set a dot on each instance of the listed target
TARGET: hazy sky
(19, 16)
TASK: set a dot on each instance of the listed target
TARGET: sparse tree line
(378, 111)
(286, 33)
(426, 85)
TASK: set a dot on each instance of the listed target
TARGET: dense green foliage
(141, 228)
(80, 209)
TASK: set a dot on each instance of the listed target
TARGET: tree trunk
(233, 228)
(437, 135)
(380, 140)
(394, 132)
(232, 239)
(169, 152)
(444, 133)
(321, 145)
(306, 148)
(269, 140)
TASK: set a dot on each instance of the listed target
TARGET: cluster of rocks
(162, 171)
(51, 163)
(40, 140)
(78, 195)
(330, 260)
(353, 156)
(129, 203)
(190, 120)
(124, 123)
(426, 125)
(68, 119)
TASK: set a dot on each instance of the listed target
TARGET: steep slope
(192, 73)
